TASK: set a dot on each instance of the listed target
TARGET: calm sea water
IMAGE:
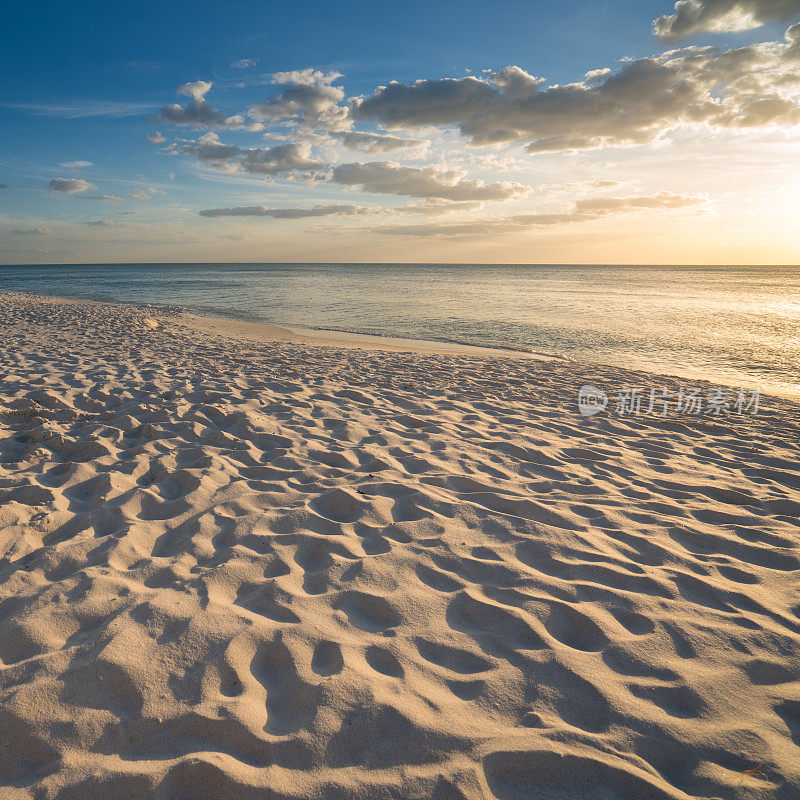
(732, 325)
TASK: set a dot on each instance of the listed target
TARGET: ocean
(738, 326)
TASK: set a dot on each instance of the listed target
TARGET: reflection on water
(733, 325)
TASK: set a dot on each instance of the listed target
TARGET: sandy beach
(243, 564)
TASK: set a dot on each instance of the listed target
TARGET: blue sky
(85, 85)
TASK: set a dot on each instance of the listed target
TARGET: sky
(634, 131)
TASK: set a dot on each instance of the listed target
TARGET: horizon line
(387, 263)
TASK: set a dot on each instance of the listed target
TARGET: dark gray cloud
(717, 16)
(387, 177)
(308, 101)
(278, 160)
(3, 186)
(70, 185)
(739, 88)
(199, 113)
(209, 148)
(581, 211)
(102, 223)
(287, 213)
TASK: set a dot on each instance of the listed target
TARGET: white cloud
(197, 90)
(75, 165)
(102, 223)
(32, 231)
(244, 63)
(594, 75)
(308, 101)
(747, 87)
(70, 185)
(287, 213)
(306, 77)
(156, 138)
(388, 177)
(144, 193)
(718, 16)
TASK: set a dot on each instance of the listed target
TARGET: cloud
(81, 109)
(582, 211)
(378, 143)
(32, 231)
(308, 101)
(603, 206)
(156, 138)
(70, 185)
(244, 63)
(144, 193)
(209, 148)
(436, 207)
(277, 160)
(719, 16)
(102, 198)
(197, 90)
(388, 177)
(75, 165)
(286, 213)
(580, 187)
(281, 158)
(3, 186)
(748, 87)
(102, 223)
(306, 77)
(199, 113)
(145, 66)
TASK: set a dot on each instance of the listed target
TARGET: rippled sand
(235, 569)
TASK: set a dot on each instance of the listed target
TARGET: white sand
(244, 570)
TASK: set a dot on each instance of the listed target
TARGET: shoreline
(215, 323)
(262, 332)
